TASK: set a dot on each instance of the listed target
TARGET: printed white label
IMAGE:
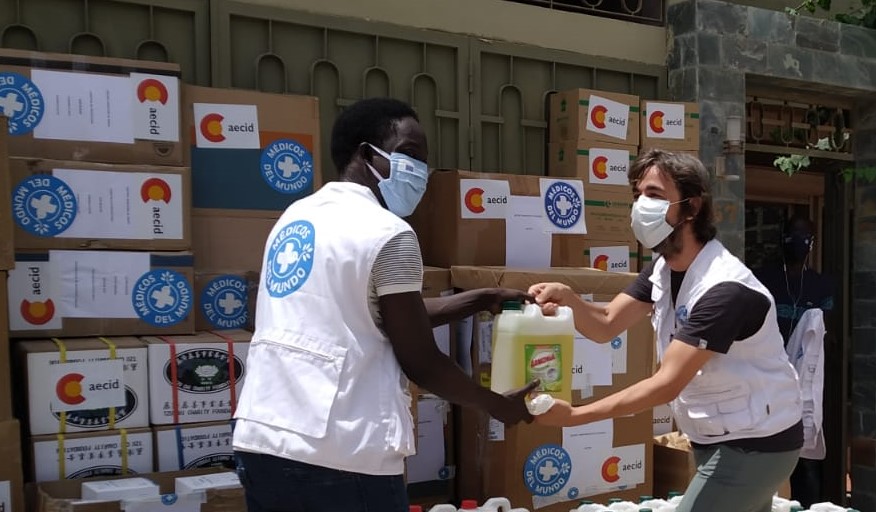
(484, 199)
(610, 259)
(665, 120)
(5, 496)
(496, 430)
(124, 205)
(155, 106)
(662, 419)
(608, 166)
(84, 106)
(88, 385)
(97, 284)
(608, 117)
(226, 126)
(33, 298)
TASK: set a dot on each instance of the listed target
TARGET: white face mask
(648, 220)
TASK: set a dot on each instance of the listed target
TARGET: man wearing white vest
(323, 422)
(722, 360)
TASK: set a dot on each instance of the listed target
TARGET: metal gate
(483, 104)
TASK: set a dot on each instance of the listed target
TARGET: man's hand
(510, 408)
(499, 295)
(551, 295)
(560, 415)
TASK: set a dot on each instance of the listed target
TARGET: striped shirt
(398, 268)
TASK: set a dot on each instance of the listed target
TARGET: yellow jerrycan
(528, 345)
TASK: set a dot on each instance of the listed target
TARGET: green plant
(863, 15)
(794, 163)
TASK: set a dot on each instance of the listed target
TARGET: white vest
(323, 385)
(806, 351)
(751, 391)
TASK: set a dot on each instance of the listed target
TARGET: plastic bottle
(590, 507)
(784, 505)
(528, 345)
(468, 505)
(827, 507)
(496, 505)
(443, 508)
(623, 506)
(415, 508)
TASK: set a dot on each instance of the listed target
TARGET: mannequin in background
(797, 288)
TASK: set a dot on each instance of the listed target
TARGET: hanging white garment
(806, 352)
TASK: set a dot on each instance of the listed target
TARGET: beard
(672, 245)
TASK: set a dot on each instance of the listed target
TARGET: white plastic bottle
(444, 507)
(528, 345)
(491, 505)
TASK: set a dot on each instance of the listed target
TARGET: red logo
(37, 313)
(600, 262)
(610, 469)
(152, 90)
(69, 389)
(597, 116)
(211, 127)
(600, 167)
(155, 189)
(474, 200)
(655, 120)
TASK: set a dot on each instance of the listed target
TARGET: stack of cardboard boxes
(129, 357)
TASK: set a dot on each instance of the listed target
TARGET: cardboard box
(598, 369)
(100, 293)
(585, 114)
(551, 469)
(197, 378)
(598, 164)
(11, 476)
(215, 251)
(251, 150)
(123, 489)
(121, 111)
(5, 367)
(462, 218)
(224, 300)
(100, 206)
(194, 446)
(430, 472)
(607, 255)
(7, 252)
(66, 495)
(93, 454)
(44, 374)
(671, 126)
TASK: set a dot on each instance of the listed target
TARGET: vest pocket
(720, 412)
(295, 384)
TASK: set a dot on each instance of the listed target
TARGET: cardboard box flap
(582, 280)
(75, 344)
(435, 281)
(236, 335)
(674, 440)
(89, 435)
(190, 425)
(73, 62)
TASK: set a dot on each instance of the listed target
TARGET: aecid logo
(484, 199)
(602, 118)
(601, 262)
(152, 90)
(37, 312)
(477, 200)
(622, 470)
(226, 126)
(156, 190)
(665, 120)
(156, 107)
(600, 167)
(211, 127)
(69, 389)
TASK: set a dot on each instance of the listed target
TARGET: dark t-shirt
(727, 313)
(811, 290)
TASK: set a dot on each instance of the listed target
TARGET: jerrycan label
(545, 362)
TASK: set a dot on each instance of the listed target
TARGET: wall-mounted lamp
(733, 143)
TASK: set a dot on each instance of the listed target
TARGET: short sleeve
(640, 289)
(398, 267)
(727, 313)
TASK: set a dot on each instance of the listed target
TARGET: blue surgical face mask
(406, 184)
